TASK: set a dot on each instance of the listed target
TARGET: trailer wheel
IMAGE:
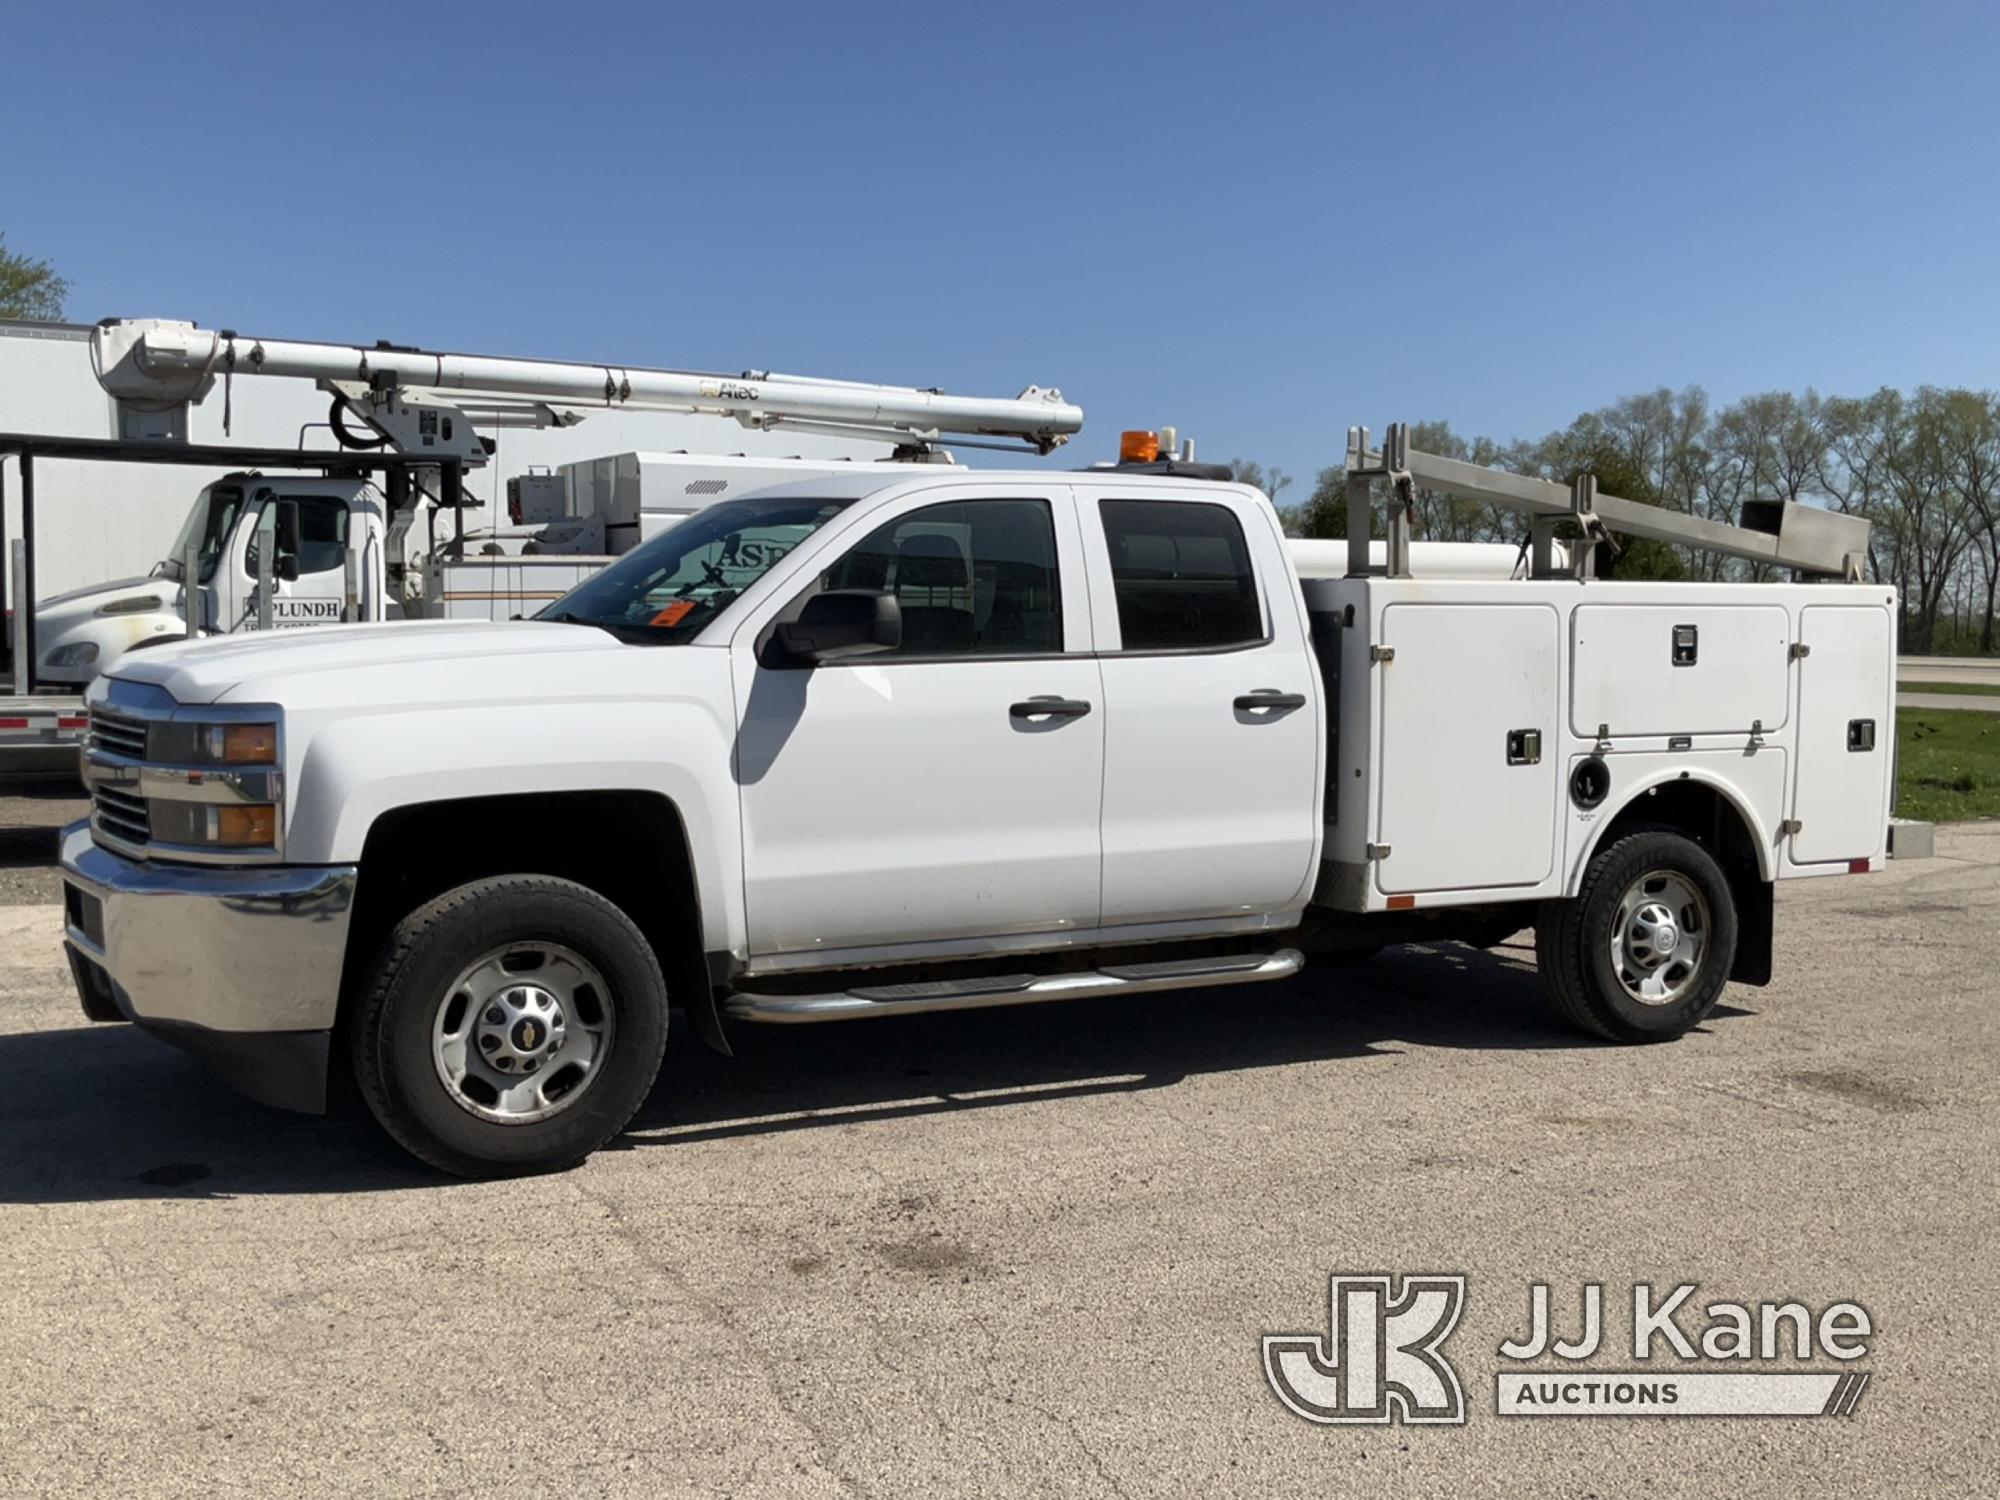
(1642, 952)
(511, 1026)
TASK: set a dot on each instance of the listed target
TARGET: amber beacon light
(1138, 446)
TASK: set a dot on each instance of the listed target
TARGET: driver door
(915, 797)
(318, 596)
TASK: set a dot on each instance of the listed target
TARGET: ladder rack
(1781, 533)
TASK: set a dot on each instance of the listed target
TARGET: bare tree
(1272, 482)
(1923, 467)
(1889, 461)
(1969, 430)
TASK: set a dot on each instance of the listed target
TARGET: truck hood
(207, 671)
(84, 600)
(75, 640)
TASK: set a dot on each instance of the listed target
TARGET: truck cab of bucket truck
(330, 538)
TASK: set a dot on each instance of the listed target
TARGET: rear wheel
(514, 1025)
(1642, 952)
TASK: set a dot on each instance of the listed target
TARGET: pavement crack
(719, 1315)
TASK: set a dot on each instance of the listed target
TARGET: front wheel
(513, 1025)
(1643, 950)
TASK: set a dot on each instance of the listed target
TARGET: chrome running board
(980, 993)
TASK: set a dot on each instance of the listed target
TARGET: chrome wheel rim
(522, 1033)
(1659, 937)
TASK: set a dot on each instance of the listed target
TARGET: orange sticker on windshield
(674, 613)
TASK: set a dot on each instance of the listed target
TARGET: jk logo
(1378, 1360)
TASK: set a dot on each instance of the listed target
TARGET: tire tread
(407, 942)
(1561, 953)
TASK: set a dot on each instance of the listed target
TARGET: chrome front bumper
(240, 966)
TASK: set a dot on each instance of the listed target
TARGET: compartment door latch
(1524, 747)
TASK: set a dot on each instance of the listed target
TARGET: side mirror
(843, 622)
(286, 563)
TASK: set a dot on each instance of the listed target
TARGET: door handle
(1050, 708)
(1269, 698)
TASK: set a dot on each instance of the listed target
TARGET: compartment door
(1664, 669)
(1847, 725)
(1468, 761)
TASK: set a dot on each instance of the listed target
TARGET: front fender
(346, 770)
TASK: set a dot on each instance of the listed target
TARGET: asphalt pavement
(1978, 703)
(31, 816)
(1974, 670)
(1026, 1252)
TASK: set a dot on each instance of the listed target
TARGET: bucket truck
(294, 539)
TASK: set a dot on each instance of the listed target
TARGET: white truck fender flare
(1761, 837)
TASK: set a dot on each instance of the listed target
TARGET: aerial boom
(155, 361)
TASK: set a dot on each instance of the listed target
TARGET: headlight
(75, 654)
(233, 825)
(215, 744)
(144, 604)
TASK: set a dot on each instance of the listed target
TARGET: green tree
(1325, 512)
(29, 288)
(1592, 445)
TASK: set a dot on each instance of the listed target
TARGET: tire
(1601, 954)
(541, 977)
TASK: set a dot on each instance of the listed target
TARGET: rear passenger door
(1212, 727)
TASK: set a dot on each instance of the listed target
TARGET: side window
(1181, 574)
(972, 578)
(322, 534)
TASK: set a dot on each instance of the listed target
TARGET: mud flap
(1755, 901)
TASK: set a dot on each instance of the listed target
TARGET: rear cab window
(1181, 576)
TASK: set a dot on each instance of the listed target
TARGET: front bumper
(239, 966)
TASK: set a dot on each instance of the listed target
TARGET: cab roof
(855, 486)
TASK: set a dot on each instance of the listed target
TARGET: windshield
(206, 529)
(666, 590)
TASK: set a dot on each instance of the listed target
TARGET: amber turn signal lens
(1138, 447)
(253, 825)
(243, 744)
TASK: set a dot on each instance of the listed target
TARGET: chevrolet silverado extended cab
(864, 745)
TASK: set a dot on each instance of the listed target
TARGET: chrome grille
(118, 735)
(121, 814)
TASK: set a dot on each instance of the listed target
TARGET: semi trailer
(868, 745)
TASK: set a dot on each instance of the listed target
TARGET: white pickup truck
(873, 744)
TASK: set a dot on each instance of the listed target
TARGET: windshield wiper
(638, 635)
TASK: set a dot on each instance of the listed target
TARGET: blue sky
(1262, 223)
